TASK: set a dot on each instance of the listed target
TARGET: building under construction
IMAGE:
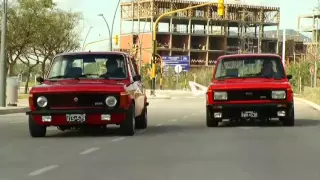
(199, 33)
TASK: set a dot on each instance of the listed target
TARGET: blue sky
(91, 8)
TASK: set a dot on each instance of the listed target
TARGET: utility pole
(3, 60)
(109, 31)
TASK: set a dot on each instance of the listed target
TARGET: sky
(289, 9)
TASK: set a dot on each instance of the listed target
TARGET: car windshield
(250, 67)
(91, 66)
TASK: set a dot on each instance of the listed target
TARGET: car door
(138, 89)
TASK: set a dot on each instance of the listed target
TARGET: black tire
(142, 120)
(289, 120)
(211, 122)
(127, 127)
(36, 130)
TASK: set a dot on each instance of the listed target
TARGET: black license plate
(76, 118)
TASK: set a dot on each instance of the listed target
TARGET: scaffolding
(199, 33)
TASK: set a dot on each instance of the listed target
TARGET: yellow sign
(220, 7)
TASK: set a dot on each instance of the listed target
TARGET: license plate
(76, 118)
(249, 114)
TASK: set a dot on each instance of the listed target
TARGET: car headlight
(220, 96)
(111, 101)
(278, 94)
(42, 101)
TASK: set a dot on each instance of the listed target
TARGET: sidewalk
(21, 108)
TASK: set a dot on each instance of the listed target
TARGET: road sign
(172, 61)
(178, 69)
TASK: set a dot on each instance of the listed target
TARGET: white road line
(174, 120)
(42, 170)
(194, 114)
(16, 122)
(174, 98)
(158, 125)
(90, 150)
(185, 117)
(117, 139)
(191, 97)
(246, 128)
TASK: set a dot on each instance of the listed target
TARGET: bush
(171, 80)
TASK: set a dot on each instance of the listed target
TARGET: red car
(89, 89)
(249, 87)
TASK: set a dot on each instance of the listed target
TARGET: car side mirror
(137, 78)
(40, 80)
(289, 77)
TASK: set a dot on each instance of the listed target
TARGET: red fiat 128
(89, 89)
(250, 87)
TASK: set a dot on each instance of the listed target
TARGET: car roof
(249, 55)
(94, 53)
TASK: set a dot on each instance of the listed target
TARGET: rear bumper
(92, 116)
(234, 111)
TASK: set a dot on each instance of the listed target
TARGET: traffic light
(116, 39)
(220, 7)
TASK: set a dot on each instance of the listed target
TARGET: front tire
(36, 130)
(289, 120)
(142, 120)
(127, 127)
(211, 121)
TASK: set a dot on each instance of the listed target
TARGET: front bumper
(236, 111)
(92, 116)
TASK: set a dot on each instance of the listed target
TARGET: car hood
(79, 86)
(250, 83)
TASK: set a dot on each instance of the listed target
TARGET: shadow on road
(176, 128)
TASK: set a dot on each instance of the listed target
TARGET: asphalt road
(176, 146)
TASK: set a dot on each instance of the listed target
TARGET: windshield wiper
(62, 77)
(89, 74)
(225, 77)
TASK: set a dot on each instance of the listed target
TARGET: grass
(23, 96)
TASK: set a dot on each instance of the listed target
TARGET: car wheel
(36, 130)
(128, 125)
(289, 120)
(211, 122)
(142, 120)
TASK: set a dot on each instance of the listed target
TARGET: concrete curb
(13, 110)
(159, 97)
(312, 104)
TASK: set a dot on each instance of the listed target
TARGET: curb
(312, 104)
(159, 97)
(14, 110)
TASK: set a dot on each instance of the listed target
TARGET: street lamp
(3, 61)
(85, 39)
(109, 31)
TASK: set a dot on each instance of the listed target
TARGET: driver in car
(113, 70)
(267, 69)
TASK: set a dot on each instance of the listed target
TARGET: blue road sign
(172, 61)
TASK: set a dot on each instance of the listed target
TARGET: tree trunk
(10, 71)
(26, 86)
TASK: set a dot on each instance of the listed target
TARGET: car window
(266, 67)
(89, 66)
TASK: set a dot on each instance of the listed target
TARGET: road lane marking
(90, 150)
(158, 125)
(191, 97)
(185, 117)
(117, 139)
(194, 114)
(43, 170)
(16, 122)
(174, 120)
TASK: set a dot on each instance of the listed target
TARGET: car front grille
(243, 95)
(77, 100)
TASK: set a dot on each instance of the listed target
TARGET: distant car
(89, 89)
(249, 87)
